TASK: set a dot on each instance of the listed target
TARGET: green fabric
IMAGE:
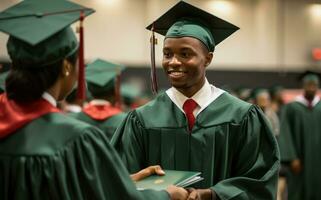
(57, 157)
(34, 21)
(39, 30)
(101, 75)
(53, 49)
(107, 126)
(231, 144)
(184, 19)
(300, 138)
(192, 28)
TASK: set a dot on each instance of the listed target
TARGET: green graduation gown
(108, 126)
(300, 138)
(230, 143)
(58, 157)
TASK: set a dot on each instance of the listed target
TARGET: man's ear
(66, 68)
(208, 58)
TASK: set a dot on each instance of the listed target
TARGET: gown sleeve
(85, 168)
(256, 163)
(128, 142)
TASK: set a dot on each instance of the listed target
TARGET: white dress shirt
(206, 95)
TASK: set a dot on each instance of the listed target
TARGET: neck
(54, 91)
(309, 97)
(190, 91)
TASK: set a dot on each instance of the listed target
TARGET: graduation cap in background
(186, 20)
(3, 76)
(130, 92)
(309, 75)
(258, 91)
(103, 76)
(40, 34)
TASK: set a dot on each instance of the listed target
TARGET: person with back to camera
(43, 153)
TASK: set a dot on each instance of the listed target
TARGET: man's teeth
(171, 72)
(177, 73)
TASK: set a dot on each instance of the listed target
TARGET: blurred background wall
(275, 42)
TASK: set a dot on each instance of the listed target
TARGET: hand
(200, 194)
(296, 166)
(156, 169)
(177, 193)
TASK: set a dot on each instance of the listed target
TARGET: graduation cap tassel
(117, 92)
(81, 95)
(153, 41)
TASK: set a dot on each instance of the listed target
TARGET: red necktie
(310, 105)
(188, 107)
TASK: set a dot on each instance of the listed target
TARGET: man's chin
(178, 85)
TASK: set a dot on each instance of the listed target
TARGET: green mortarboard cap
(257, 91)
(101, 74)
(130, 92)
(310, 76)
(275, 89)
(36, 29)
(185, 20)
(3, 76)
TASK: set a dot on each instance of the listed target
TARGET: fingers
(158, 170)
(193, 194)
(177, 193)
(155, 169)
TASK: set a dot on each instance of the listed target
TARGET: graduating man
(102, 111)
(196, 126)
(300, 141)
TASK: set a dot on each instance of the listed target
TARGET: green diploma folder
(171, 177)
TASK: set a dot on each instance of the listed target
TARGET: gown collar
(14, 115)
(301, 99)
(100, 110)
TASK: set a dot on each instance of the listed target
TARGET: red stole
(14, 115)
(101, 112)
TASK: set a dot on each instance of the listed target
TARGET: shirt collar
(201, 97)
(48, 97)
(99, 102)
(207, 94)
(72, 108)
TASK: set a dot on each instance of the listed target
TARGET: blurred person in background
(261, 97)
(102, 110)
(133, 97)
(277, 100)
(300, 141)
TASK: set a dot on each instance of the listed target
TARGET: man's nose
(174, 61)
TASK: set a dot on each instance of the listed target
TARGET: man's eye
(166, 54)
(185, 55)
